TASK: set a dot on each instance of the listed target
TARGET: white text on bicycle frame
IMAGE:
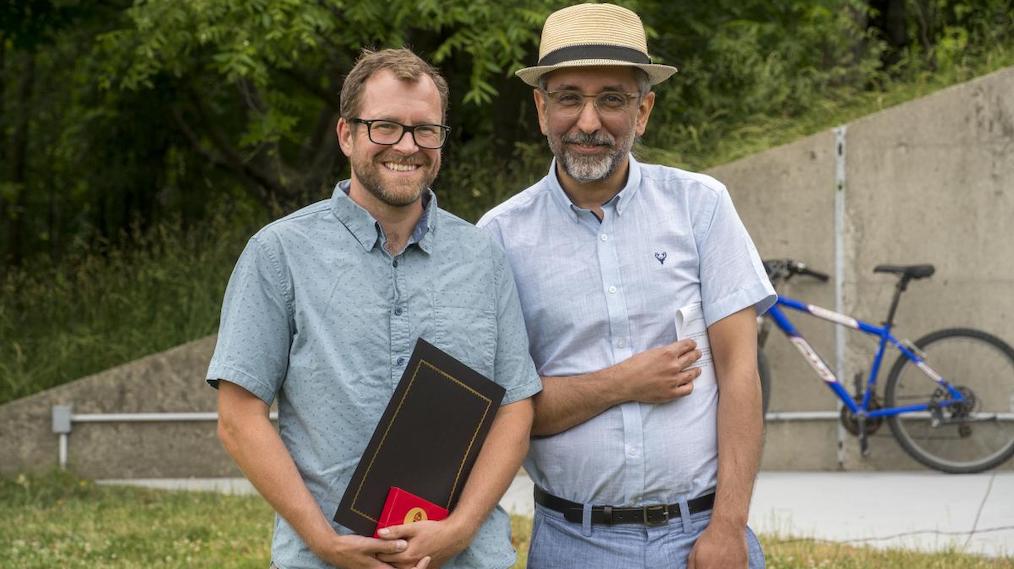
(813, 358)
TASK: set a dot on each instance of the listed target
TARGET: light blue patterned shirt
(596, 293)
(321, 316)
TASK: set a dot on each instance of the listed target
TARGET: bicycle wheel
(971, 437)
(764, 371)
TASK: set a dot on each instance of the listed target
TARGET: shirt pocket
(466, 329)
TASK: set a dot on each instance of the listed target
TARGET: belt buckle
(650, 519)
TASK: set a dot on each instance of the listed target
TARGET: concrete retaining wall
(172, 381)
(930, 181)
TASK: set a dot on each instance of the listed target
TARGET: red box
(403, 507)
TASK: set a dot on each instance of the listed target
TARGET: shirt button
(612, 290)
(395, 263)
(398, 311)
(620, 343)
(401, 361)
(604, 237)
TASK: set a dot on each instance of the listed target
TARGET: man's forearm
(497, 464)
(657, 375)
(739, 422)
(254, 444)
(568, 401)
(740, 436)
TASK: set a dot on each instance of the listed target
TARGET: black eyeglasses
(429, 136)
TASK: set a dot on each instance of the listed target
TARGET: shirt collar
(365, 228)
(621, 199)
(427, 224)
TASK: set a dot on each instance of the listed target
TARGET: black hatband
(594, 51)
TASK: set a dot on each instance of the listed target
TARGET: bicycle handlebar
(786, 268)
(815, 274)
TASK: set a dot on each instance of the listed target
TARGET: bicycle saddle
(910, 271)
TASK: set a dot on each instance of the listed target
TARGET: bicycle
(956, 417)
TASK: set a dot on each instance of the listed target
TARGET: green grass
(60, 521)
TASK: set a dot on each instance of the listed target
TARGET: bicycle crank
(850, 421)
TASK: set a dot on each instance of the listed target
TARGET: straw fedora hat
(593, 34)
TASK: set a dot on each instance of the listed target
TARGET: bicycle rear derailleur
(955, 413)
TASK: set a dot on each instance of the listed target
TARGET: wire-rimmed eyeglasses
(570, 102)
(431, 136)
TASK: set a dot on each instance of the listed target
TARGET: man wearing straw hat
(638, 459)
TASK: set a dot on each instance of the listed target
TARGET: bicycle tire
(968, 359)
(764, 371)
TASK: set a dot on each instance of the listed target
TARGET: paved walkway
(917, 510)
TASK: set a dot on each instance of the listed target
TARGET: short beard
(368, 173)
(586, 169)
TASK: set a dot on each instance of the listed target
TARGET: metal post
(62, 426)
(839, 270)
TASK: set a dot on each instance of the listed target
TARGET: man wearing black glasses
(322, 312)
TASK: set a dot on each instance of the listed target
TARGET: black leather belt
(654, 515)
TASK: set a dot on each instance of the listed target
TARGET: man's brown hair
(405, 65)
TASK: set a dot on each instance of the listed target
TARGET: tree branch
(329, 98)
(232, 156)
(214, 159)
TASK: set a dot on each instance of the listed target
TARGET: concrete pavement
(916, 510)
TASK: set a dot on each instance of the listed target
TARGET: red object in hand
(403, 507)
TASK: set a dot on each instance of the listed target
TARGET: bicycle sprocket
(851, 422)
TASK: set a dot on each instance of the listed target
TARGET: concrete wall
(930, 181)
(172, 381)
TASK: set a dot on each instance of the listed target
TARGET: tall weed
(160, 288)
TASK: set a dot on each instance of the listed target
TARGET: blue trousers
(559, 544)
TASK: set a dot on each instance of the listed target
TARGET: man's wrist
(732, 522)
(613, 377)
(462, 524)
(321, 539)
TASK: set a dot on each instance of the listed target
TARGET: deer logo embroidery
(661, 257)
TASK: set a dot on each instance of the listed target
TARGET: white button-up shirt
(595, 293)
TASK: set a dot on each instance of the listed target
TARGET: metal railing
(64, 419)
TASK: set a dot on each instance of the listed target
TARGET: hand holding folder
(427, 440)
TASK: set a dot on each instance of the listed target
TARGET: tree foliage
(117, 115)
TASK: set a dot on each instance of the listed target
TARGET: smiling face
(393, 175)
(592, 145)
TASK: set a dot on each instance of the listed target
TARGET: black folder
(426, 441)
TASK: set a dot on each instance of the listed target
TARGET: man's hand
(438, 540)
(358, 552)
(720, 546)
(659, 375)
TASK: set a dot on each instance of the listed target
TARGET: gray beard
(589, 168)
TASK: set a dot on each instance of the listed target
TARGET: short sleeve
(512, 365)
(255, 331)
(732, 275)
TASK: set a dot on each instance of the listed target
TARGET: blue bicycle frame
(825, 373)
